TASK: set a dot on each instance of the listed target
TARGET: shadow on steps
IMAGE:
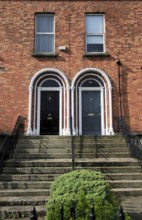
(135, 216)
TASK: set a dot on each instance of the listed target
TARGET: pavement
(133, 206)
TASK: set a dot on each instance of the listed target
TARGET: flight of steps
(37, 161)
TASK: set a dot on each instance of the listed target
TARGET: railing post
(121, 215)
(33, 214)
(92, 213)
(61, 213)
(72, 211)
(72, 144)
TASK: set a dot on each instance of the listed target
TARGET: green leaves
(81, 189)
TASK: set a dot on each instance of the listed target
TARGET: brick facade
(123, 27)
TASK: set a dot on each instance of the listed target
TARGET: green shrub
(81, 189)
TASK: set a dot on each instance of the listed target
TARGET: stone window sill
(44, 54)
(103, 54)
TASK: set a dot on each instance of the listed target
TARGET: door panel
(49, 113)
(91, 112)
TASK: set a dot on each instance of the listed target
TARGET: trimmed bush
(81, 189)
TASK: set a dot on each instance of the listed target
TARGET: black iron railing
(72, 142)
(92, 216)
(124, 127)
(132, 138)
(8, 145)
(136, 146)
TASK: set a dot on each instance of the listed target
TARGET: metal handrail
(72, 142)
(9, 143)
(133, 140)
(124, 127)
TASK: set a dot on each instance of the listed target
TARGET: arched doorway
(92, 94)
(49, 104)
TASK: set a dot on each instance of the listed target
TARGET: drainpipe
(29, 130)
(118, 62)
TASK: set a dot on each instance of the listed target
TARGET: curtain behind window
(44, 42)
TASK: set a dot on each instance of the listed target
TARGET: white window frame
(45, 33)
(95, 34)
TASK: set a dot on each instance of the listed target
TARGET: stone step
(125, 183)
(81, 137)
(69, 155)
(61, 170)
(25, 185)
(50, 170)
(23, 200)
(77, 147)
(28, 177)
(36, 170)
(85, 162)
(124, 176)
(123, 192)
(23, 192)
(51, 177)
(46, 184)
(114, 169)
(39, 218)
(20, 212)
(68, 136)
(38, 163)
(51, 150)
(133, 205)
(103, 162)
(69, 141)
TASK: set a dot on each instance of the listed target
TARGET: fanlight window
(90, 83)
(50, 83)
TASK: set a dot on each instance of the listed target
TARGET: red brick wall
(123, 34)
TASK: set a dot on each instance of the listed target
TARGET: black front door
(91, 113)
(49, 113)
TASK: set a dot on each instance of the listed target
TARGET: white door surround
(35, 89)
(106, 99)
(104, 86)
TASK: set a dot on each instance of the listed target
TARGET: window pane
(95, 39)
(44, 43)
(94, 24)
(44, 23)
(95, 44)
